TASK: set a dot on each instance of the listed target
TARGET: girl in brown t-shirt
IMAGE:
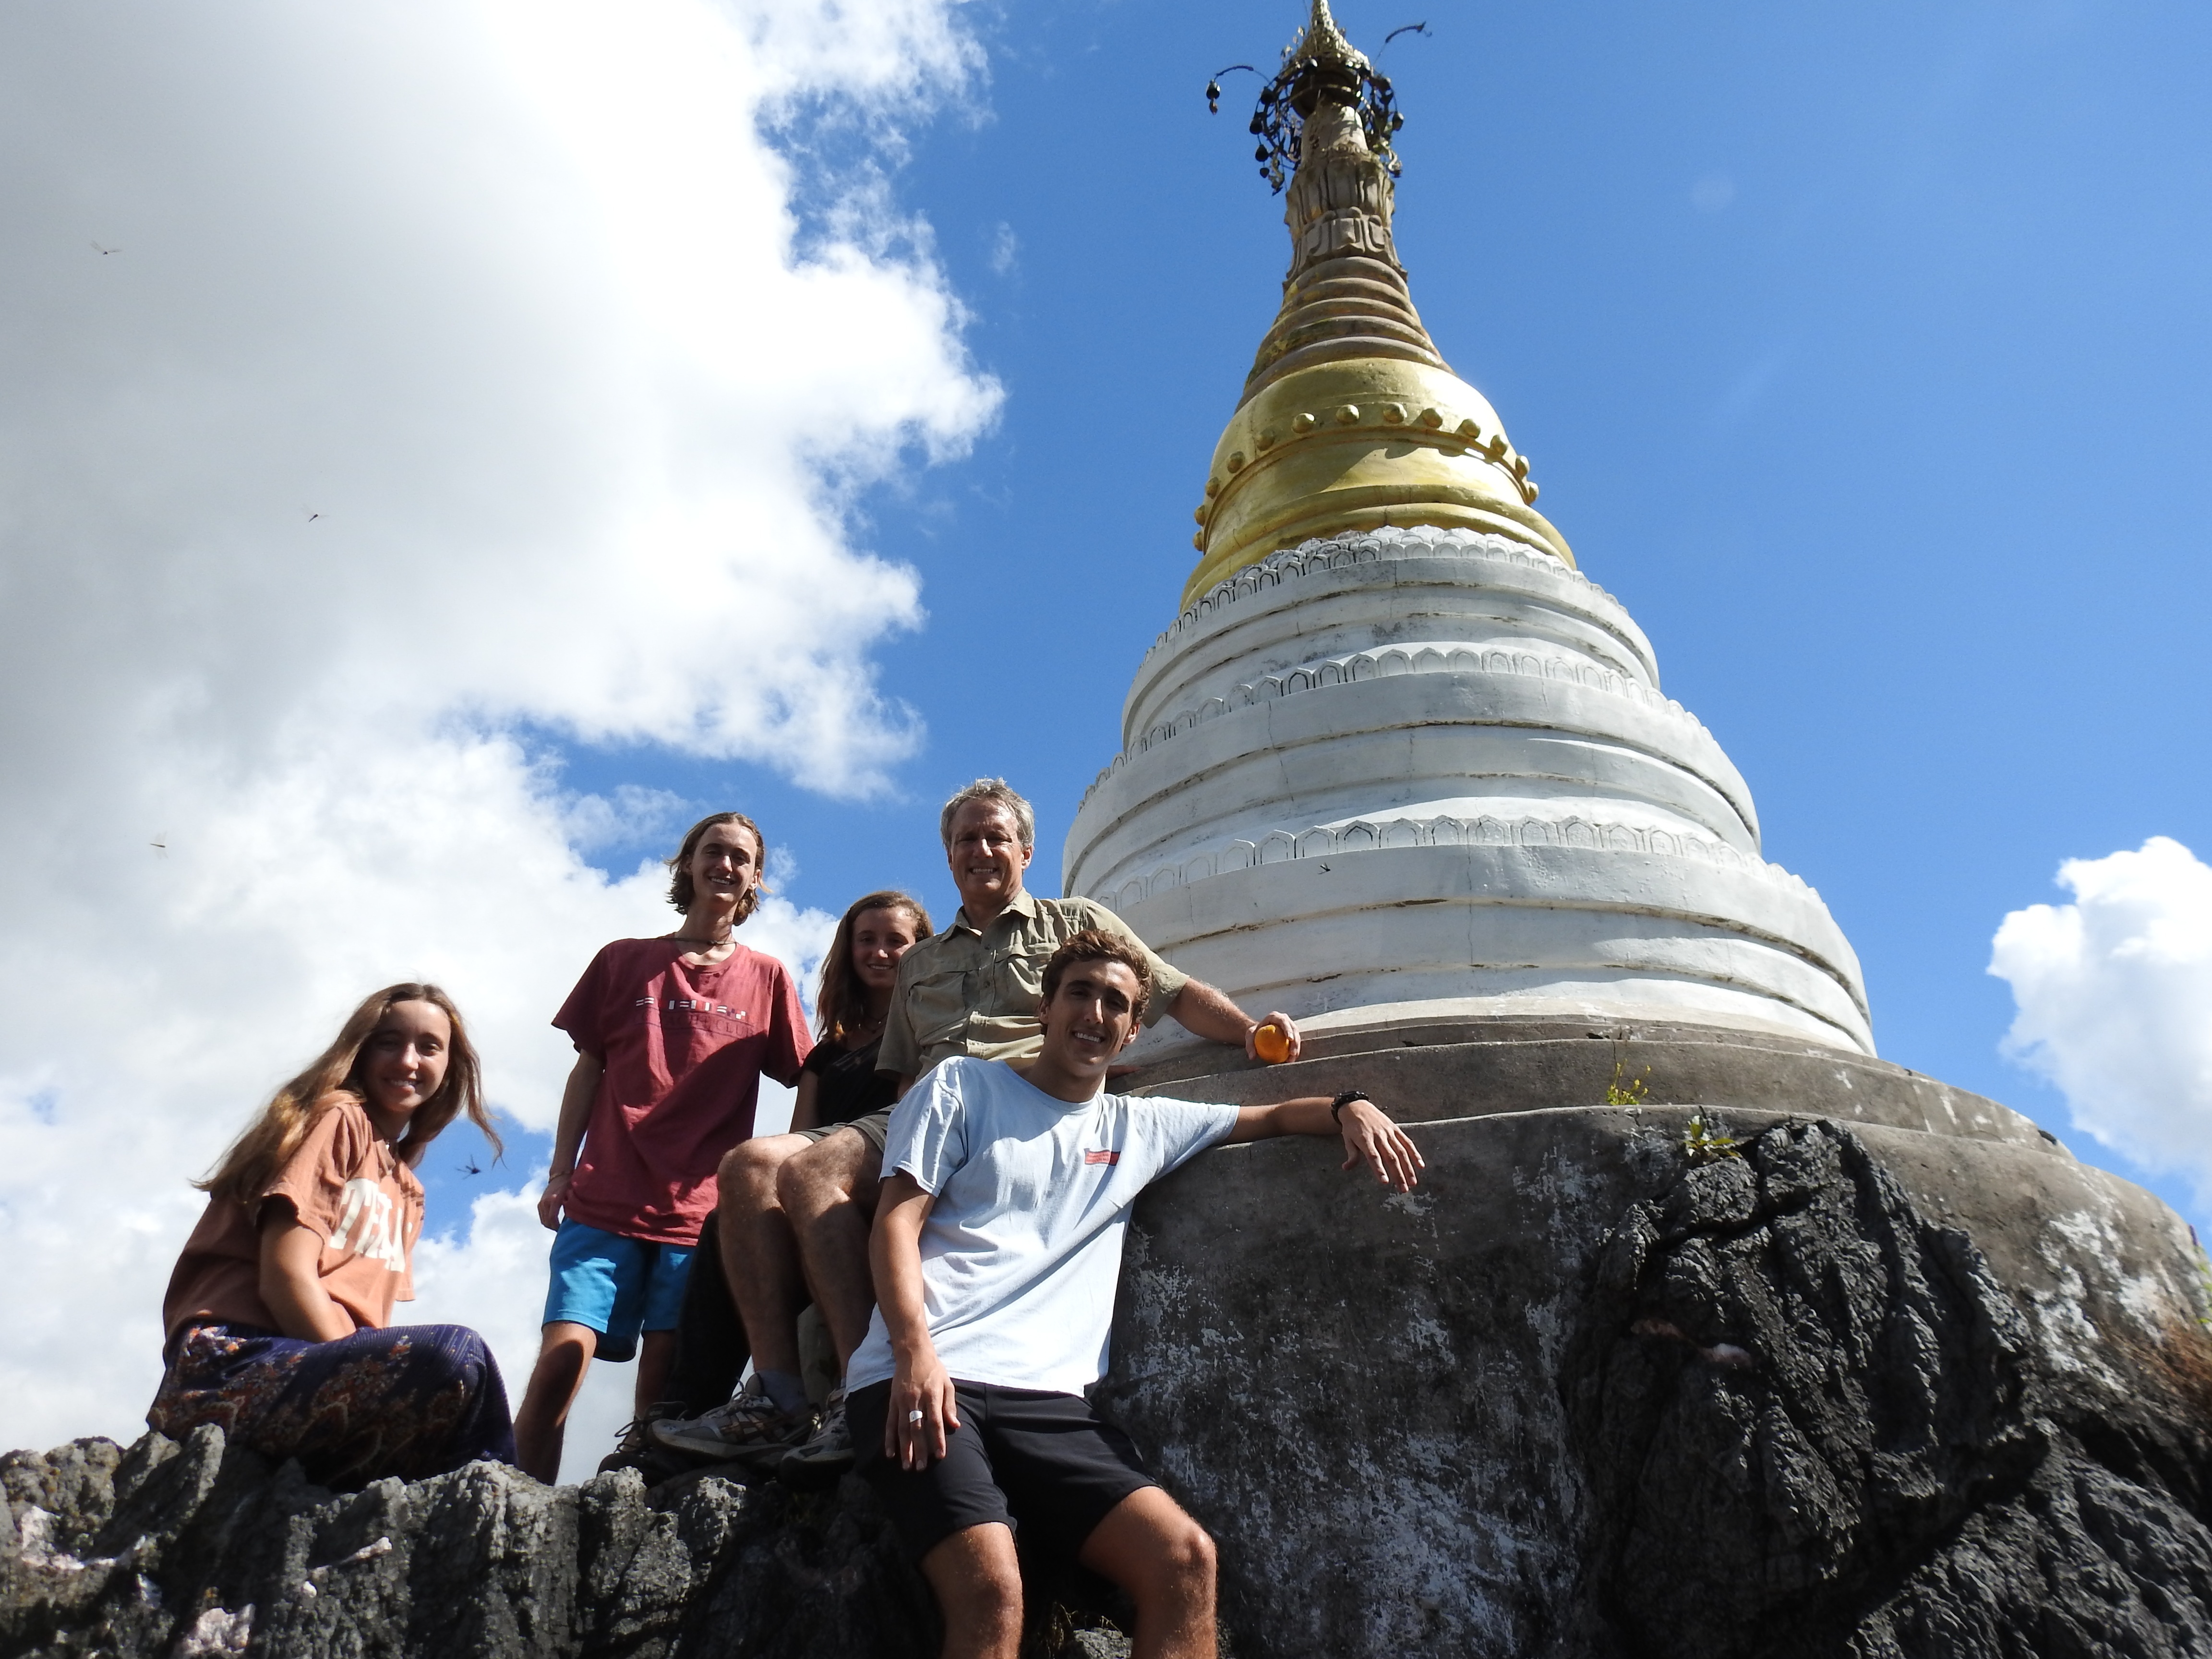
(279, 1316)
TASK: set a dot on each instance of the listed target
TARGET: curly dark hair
(1096, 944)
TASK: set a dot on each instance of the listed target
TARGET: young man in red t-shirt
(672, 1037)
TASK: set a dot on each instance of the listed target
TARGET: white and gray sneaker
(827, 1454)
(748, 1422)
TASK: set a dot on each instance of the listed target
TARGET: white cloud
(520, 303)
(2115, 998)
(492, 1279)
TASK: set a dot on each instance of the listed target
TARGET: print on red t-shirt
(685, 1048)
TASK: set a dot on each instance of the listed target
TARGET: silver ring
(914, 1417)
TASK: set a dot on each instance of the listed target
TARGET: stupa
(1399, 763)
(1707, 1331)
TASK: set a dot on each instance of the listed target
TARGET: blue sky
(1865, 353)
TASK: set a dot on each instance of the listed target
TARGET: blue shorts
(619, 1286)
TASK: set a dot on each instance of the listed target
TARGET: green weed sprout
(1705, 1141)
(1630, 1094)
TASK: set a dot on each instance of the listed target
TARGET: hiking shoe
(748, 1422)
(656, 1463)
(827, 1454)
(635, 1449)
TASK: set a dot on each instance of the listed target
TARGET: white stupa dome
(1417, 768)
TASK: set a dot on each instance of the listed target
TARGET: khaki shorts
(874, 1129)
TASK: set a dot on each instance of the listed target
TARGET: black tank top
(847, 1085)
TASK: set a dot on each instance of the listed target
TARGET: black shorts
(1040, 1462)
(874, 1129)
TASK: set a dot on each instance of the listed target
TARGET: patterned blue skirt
(409, 1400)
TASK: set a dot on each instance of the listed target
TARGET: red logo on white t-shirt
(1101, 1157)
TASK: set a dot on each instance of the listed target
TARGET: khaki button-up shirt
(969, 993)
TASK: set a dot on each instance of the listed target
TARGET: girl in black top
(845, 1085)
(840, 1082)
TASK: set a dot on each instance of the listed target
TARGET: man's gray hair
(998, 792)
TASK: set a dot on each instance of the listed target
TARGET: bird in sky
(96, 248)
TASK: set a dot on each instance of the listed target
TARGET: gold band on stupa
(1351, 419)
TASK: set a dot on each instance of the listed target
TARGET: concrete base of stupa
(1895, 1373)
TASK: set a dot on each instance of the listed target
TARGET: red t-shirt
(685, 1048)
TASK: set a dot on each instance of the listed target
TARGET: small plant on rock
(1705, 1139)
(1628, 1094)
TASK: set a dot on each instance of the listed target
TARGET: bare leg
(1164, 1560)
(564, 1355)
(978, 1581)
(760, 1259)
(828, 1191)
(656, 1353)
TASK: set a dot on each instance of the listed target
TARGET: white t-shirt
(1021, 1250)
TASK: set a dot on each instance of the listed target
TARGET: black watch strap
(1336, 1107)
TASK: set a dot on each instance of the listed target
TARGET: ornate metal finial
(1319, 64)
(1322, 42)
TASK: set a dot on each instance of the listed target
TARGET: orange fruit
(1272, 1044)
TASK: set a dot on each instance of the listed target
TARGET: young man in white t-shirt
(996, 1251)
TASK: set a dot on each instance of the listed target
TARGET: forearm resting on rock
(1309, 1115)
(1370, 1137)
(1204, 1012)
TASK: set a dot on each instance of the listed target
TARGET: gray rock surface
(1811, 1421)
(1893, 1375)
(1486, 1066)
(180, 1548)
(191, 1549)
(1864, 1386)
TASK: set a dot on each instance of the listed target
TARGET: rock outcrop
(1811, 1421)
(183, 1548)
(191, 1549)
(1891, 1374)
(1887, 1374)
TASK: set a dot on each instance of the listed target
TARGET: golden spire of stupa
(1321, 42)
(1351, 419)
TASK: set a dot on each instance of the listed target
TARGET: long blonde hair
(268, 1144)
(842, 1002)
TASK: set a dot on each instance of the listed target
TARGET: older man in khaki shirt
(973, 989)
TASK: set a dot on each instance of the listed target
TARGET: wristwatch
(1336, 1107)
